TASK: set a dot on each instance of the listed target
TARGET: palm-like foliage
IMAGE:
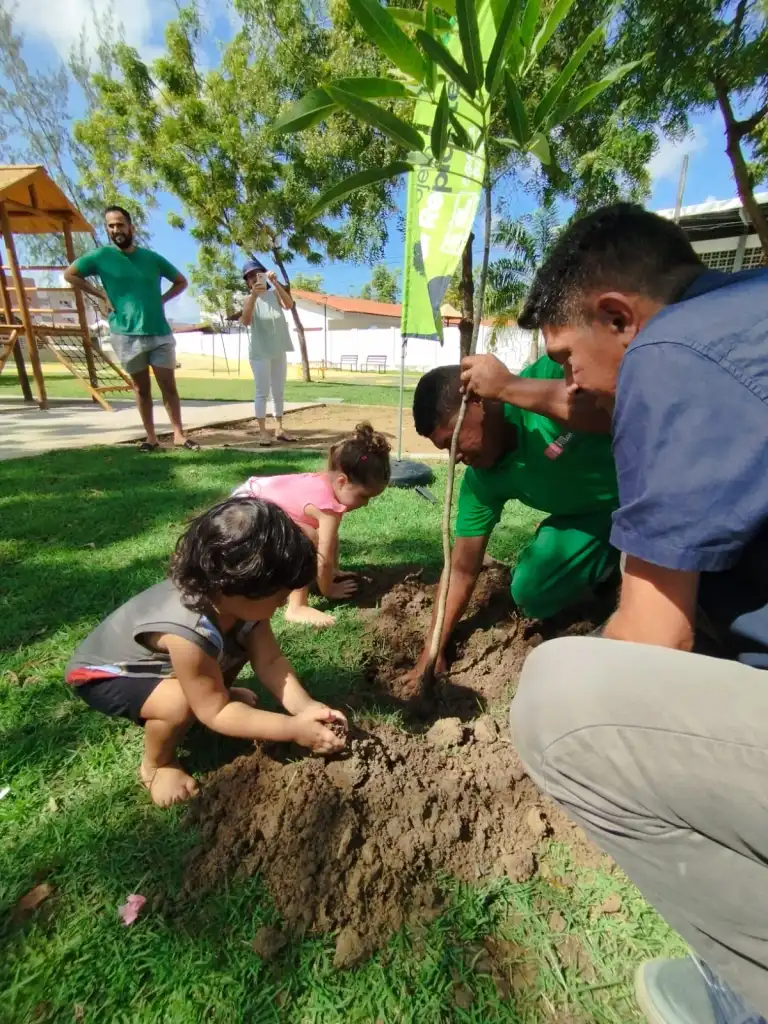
(527, 241)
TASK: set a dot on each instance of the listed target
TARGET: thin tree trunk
(467, 292)
(305, 374)
(733, 136)
(480, 303)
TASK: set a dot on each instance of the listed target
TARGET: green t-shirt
(580, 478)
(132, 281)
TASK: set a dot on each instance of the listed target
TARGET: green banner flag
(440, 207)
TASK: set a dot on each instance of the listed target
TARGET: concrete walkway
(79, 423)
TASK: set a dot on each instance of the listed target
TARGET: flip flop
(284, 438)
(189, 445)
(264, 444)
(147, 448)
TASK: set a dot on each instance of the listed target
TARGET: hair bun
(373, 441)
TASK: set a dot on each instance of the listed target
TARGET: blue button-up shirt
(691, 442)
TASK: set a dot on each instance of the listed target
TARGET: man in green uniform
(531, 439)
(140, 334)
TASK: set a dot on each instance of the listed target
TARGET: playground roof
(35, 204)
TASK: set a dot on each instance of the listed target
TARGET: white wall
(360, 335)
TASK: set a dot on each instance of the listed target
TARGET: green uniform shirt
(132, 281)
(581, 478)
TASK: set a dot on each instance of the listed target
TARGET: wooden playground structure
(31, 203)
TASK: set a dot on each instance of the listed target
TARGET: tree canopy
(203, 135)
(383, 286)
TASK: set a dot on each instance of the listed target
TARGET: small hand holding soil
(321, 729)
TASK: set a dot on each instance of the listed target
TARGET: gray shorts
(138, 352)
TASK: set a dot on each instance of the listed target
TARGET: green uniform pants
(567, 558)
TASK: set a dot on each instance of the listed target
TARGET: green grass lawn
(82, 532)
(222, 389)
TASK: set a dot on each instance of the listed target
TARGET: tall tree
(383, 286)
(307, 282)
(203, 135)
(527, 242)
(217, 282)
(708, 55)
(36, 125)
(470, 97)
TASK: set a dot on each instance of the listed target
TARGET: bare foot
(244, 696)
(307, 616)
(265, 440)
(168, 785)
(285, 438)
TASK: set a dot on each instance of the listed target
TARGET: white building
(721, 233)
(360, 334)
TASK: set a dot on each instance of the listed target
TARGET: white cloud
(668, 159)
(61, 22)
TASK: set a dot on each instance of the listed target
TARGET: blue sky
(49, 36)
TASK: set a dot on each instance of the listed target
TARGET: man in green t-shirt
(533, 439)
(140, 334)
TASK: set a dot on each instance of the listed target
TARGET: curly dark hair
(437, 397)
(620, 247)
(363, 458)
(241, 547)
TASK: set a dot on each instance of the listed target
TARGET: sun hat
(251, 265)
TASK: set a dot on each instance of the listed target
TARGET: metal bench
(349, 361)
(378, 363)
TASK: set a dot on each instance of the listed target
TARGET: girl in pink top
(358, 470)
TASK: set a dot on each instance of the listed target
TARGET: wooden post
(26, 319)
(26, 390)
(80, 304)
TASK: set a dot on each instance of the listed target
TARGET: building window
(754, 257)
(721, 259)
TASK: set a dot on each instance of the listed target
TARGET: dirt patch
(320, 427)
(357, 845)
(488, 650)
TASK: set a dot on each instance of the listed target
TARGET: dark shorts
(119, 696)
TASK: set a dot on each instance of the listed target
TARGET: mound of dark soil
(356, 845)
(488, 649)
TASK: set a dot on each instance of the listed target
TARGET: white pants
(269, 374)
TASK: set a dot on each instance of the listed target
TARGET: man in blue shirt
(660, 753)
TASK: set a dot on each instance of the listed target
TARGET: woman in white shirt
(270, 342)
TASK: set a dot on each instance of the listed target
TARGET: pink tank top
(293, 492)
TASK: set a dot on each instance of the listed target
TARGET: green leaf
(309, 110)
(439, 135)
(374, 88)
(528, 24)
(539, 146)
(508, 143)
(516, 115)
(469, 34)
(409, 16)
(355, 182)
(429, 28)
(384, 32)
(398, 130)
(419, 159)
(553, 94)
(548, 29)
(461, 134)
(581, 99)
(499, 51)
(449, 6)
(438, 53)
